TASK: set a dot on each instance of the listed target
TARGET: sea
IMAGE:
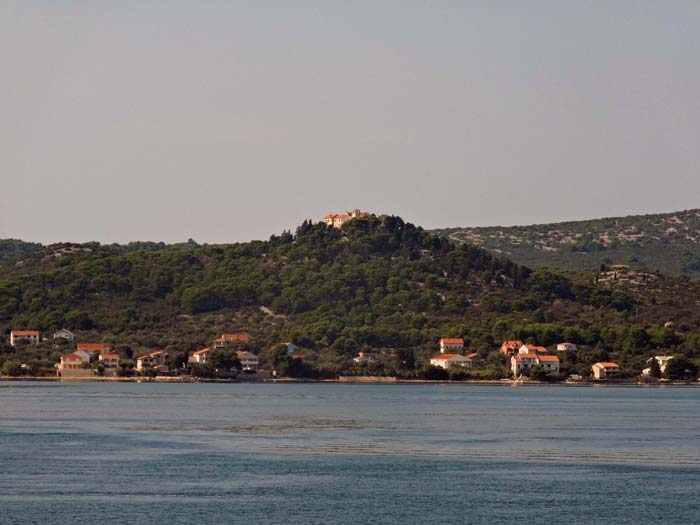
(325, 453)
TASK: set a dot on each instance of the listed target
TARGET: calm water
(331, 453)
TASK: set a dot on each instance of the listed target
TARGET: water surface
(344, 453)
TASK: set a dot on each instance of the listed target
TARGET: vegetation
(377, 285)
(669, 242)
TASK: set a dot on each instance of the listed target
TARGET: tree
(537, 373)
(223, 360)
(12, 368)
(679, 368)
(435, 373)
(655, 369)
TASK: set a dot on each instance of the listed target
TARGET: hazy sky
(228, 121)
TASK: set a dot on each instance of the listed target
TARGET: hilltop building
(338, 219)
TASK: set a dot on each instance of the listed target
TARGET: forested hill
(377, 283)
(668, 242)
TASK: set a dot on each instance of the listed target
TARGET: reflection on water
(319, 453)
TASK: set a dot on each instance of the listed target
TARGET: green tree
(654, 369)
(680, 368)
(12, 368)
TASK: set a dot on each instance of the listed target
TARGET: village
(91, 360)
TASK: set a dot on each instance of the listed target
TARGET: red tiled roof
(202, 351)
(71, 357)
(93, 346)
(520, 357)
(445, 357)
(25, 332)
(607, 364)
(242, 354)
(473, 355)
(549, 358)
(240, 337)
(454, 341)
(109, 356)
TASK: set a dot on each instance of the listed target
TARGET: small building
(510, 348)
(566, 347)
(662, 360)
(532, 349)
(603, 370)
(521, 363)
(549, 363)
(291, 347)
(230, 339)
(474, 359)
(248, 361)
(24, 336)
(85, 355)
(152, 359)
(110, 362)
(200, 356)
(71, 361)
(65, 334)
(450, 360)
(365, 357)
(451, 345)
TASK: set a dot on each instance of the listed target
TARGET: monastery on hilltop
(338, 219)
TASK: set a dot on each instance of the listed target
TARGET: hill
(668, 242)
(379, 283)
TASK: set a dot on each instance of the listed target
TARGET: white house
(64, 333)
(662, 360)
(153, 359)
(24, 336)
(532, 349)
(566, 347)
(451, 345)
(603, 369)
(520, 363)
(110, 362)
(451, 360)
(200, 356)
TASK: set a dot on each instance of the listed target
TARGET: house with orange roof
(450, 360)
(230, 339)
(448, 345)
(110, 362)
(94, 347)
(522, 363)
(604, 369)
(71, 361)
(510, 348)
(474, 359)
(200, 356)
(532, 349)
(24, 336)
(338, 219)
(152, 359)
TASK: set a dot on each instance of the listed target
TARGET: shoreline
(346, 380)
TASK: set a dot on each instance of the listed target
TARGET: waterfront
(321, 453)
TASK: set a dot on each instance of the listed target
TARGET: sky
(230, 121)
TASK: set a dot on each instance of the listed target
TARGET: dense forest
(378, 284)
